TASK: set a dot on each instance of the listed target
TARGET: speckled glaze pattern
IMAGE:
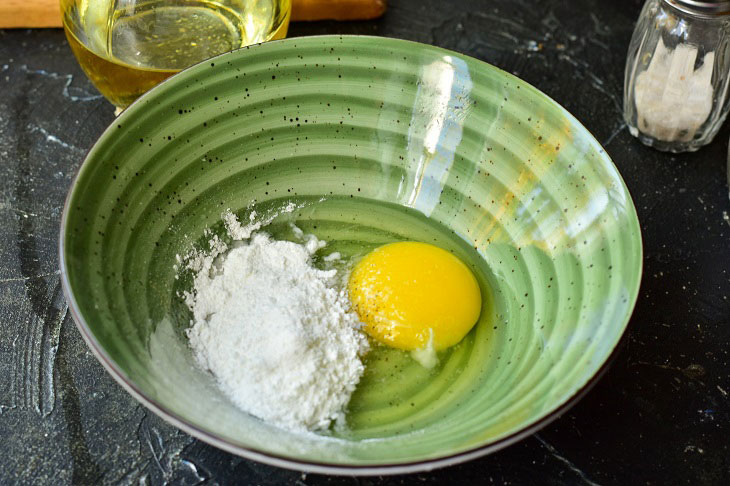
(400, 141)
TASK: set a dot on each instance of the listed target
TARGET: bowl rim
(384, 468)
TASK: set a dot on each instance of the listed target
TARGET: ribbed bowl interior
(378, 140)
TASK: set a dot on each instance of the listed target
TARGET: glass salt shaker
(677, 74)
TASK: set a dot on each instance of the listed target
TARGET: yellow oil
(126, 46)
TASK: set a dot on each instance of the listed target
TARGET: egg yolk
(412, 295)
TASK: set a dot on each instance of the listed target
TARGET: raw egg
(415, 296)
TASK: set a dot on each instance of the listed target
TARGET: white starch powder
(276, 333)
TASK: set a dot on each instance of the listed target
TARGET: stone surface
(660, 415)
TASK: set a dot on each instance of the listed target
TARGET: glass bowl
(127, 47)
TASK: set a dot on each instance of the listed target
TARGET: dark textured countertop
(661, 415)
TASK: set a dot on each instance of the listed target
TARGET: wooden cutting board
(47, 13)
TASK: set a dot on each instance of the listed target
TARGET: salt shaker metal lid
(702, 8)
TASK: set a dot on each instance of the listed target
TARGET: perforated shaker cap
(709, 9)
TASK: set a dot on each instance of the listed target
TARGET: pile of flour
(275, 331)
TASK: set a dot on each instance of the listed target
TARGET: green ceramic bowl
(378, 140)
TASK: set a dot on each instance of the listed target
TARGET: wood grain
(337, 9)
(30, 13)
(47, 13)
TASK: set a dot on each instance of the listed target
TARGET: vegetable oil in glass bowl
(127, 46)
